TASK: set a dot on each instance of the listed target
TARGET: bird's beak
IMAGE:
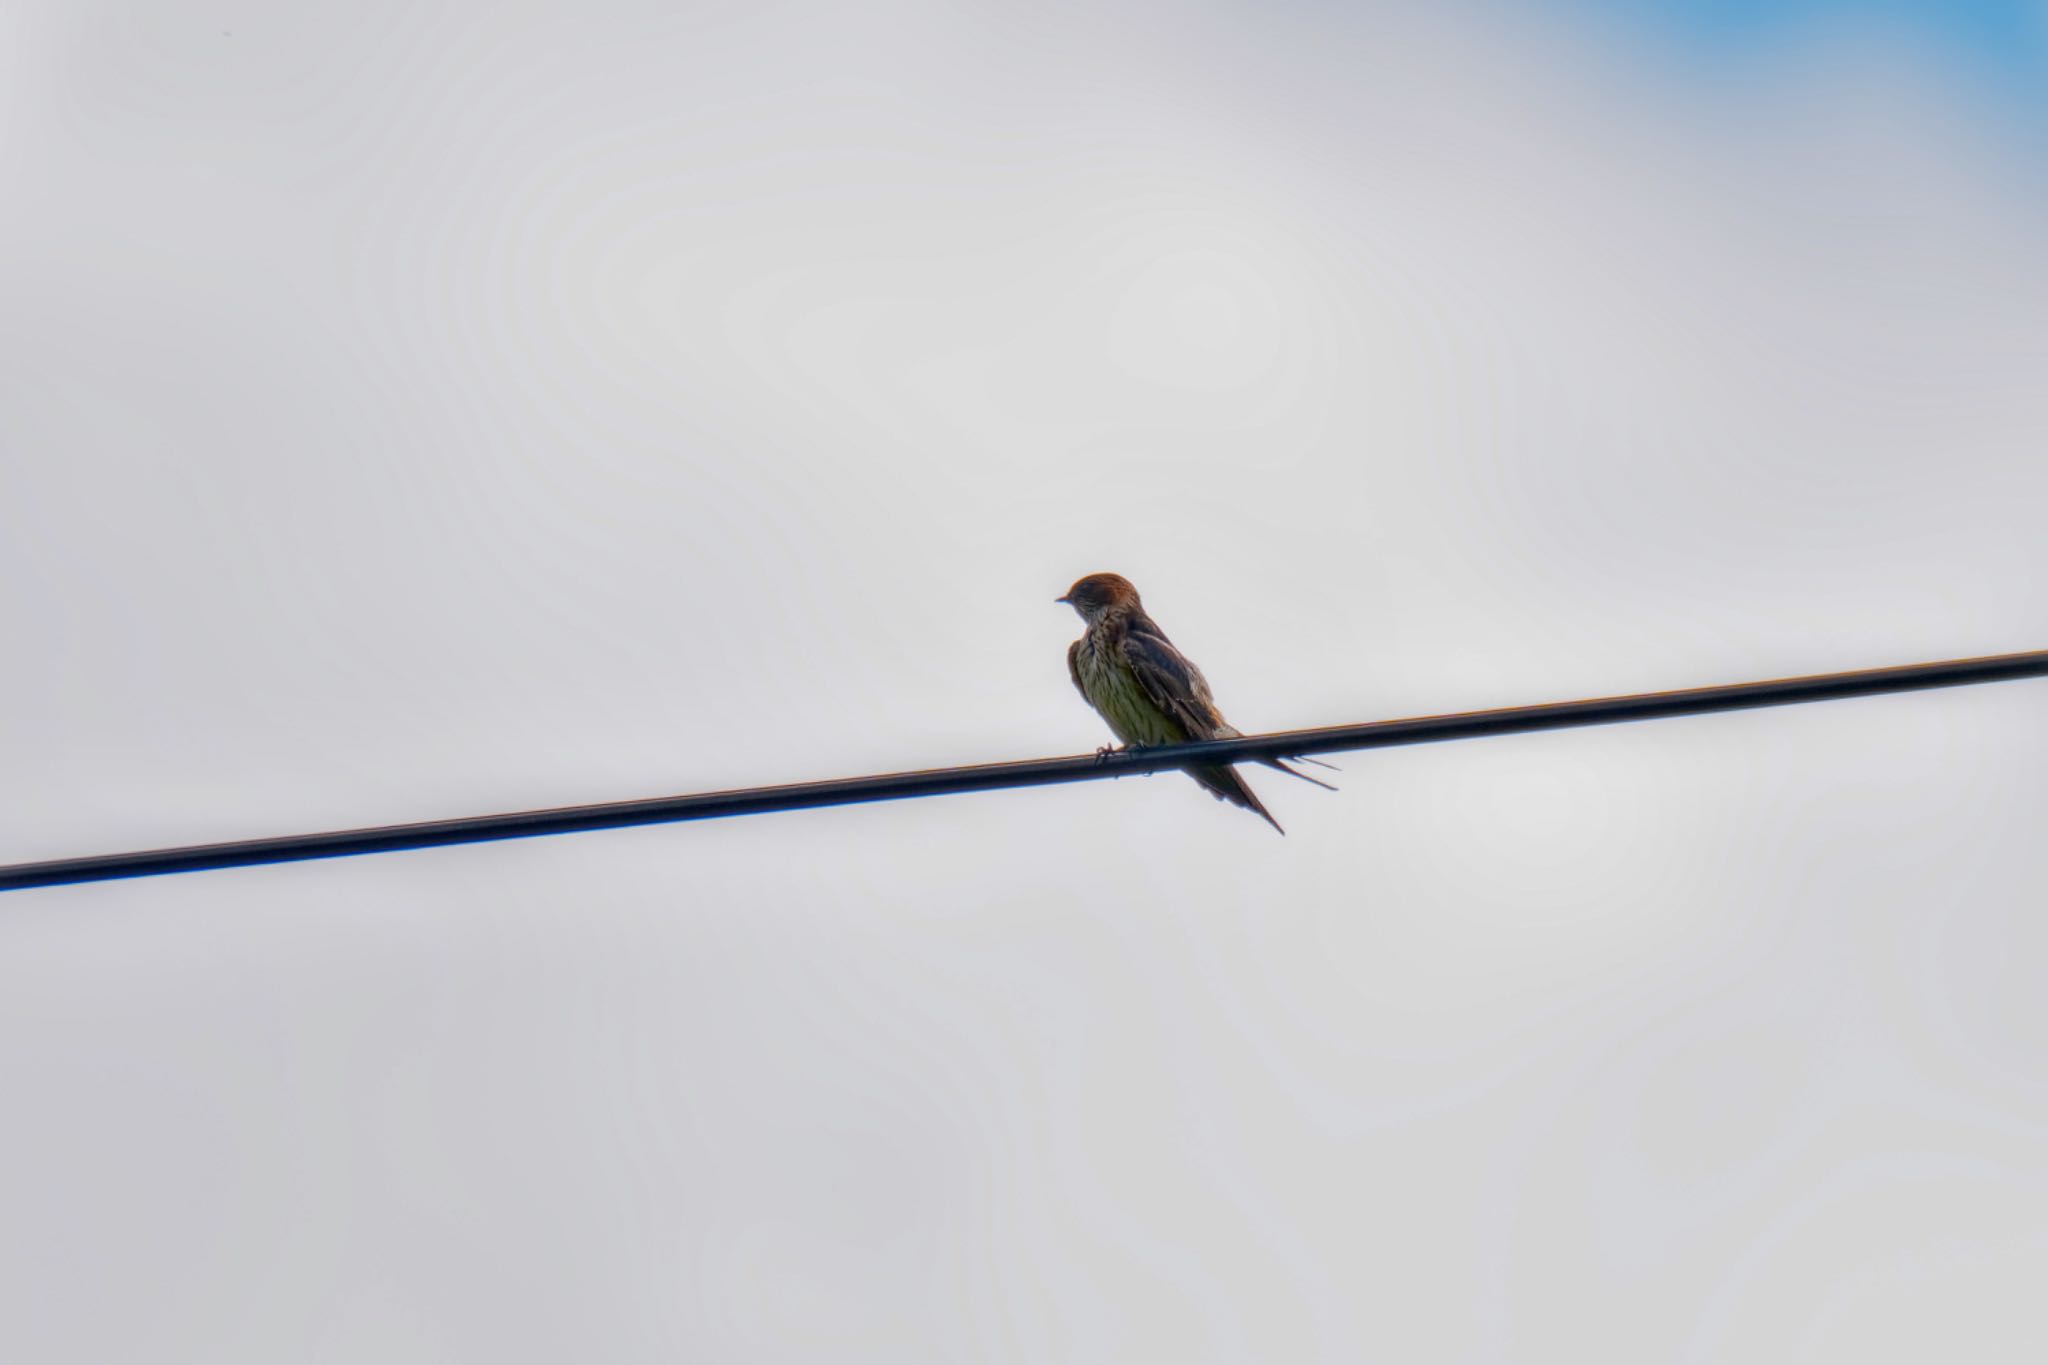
(1068, 600)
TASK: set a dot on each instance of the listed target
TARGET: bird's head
(1099, 593)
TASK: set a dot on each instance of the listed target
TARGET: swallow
(1150, 693)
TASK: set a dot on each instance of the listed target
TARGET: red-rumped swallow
(1150, 693)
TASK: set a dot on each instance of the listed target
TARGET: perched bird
(1150, 693)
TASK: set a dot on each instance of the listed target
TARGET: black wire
(1034, 773)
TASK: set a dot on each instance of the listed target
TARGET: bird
(1150, 693)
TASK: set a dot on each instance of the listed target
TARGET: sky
(424, 410)
(1978, 35)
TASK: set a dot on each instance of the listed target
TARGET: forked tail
(1226, 785)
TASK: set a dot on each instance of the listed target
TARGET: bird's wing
(1074, 669)
(1171, 681)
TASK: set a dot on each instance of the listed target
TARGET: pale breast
(1113, 690)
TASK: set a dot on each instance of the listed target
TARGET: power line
(1033, 773)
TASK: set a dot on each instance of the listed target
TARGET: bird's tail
(1225, 784)
(1281, 764)
(1232, 732)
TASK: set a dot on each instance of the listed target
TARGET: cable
(1033, 773)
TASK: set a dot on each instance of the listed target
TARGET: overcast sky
(416, 410)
